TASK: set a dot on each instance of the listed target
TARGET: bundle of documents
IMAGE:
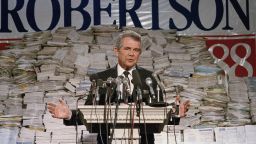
(205, 76)
(112, 58)
(156, 50)
(146, 42)
(161, 62)
(12, 112)
(49, 66)
(35, 108)
(97, 65)
(86, 37)
(9, 135)
(6, 65)
(26, 135)
(251, 85)
(61, 35)
(238, 112)
(180, 69)
(59, 132)
(146, 60)
(158, 37)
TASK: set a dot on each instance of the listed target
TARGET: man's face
(129, 53)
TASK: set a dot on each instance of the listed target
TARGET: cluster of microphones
(122, 87)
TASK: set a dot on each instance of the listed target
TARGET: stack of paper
(170, 135)
(181, 63)
(203, 79)
(97, 63)
(193, 116)
(59, 38)
(238, 112)
(6, 64)
(251, 84)
(86, 37)
(161, 62)
(59, 132)
(8, 135)
(228, 135)
(204, 135)
(146, 60)
(112, 58)
(26, 135)
(32, 116)
(13, 105)
(103, 33)
(146, 42)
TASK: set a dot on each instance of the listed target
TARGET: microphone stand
(139, 99)
(76, 116)
(108, 95)
(115, 119)
(118, 98)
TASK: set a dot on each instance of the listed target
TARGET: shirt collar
(120, 70)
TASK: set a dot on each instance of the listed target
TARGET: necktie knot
(126, 73)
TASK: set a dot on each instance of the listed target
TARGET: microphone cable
(106, 108)
(132, 118)
(126, 121)
(115, 119)
(144, 122)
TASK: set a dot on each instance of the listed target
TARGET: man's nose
(131, 52)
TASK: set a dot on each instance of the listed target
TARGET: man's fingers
(51, 111)
(62, 101)
(186, 105)
(51, 104)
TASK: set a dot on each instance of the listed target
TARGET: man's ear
(116, 50)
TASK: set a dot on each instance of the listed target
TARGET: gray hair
(128, 33)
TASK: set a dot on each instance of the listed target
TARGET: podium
(101, 118)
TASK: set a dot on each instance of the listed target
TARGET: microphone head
(149, 81)
(110, 81)
(99, 82)
(136, 78)
(126, 83)
(119, 79)
(126, 80)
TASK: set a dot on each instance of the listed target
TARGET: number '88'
(241, 61)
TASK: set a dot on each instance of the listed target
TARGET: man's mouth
(130, 60)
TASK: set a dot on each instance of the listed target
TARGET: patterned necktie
(126, 73)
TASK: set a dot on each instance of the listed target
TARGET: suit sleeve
(77, 118)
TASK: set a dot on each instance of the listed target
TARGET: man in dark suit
(128, 50)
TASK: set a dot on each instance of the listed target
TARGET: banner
(189, 17)
(236, 55)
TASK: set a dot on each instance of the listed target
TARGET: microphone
(137, 83)
(136, 79)
(126, 85)
(99, 83)
(149, 84)
(119, 87)
(93, 87)
(111, 82)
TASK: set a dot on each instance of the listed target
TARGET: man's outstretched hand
(183, 108)
(60, 110)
